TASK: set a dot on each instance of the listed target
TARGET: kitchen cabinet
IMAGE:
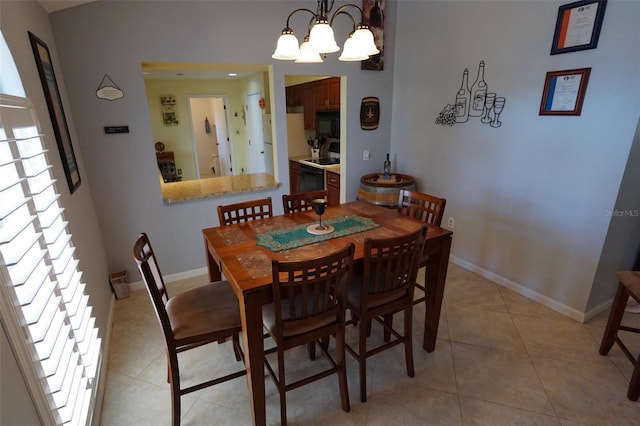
(294, 95)
(320, 95)
(328, 94)
(294, 177)
(308, 96)
(332, 182)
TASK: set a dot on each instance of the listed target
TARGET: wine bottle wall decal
(473, 100)
(478, 92)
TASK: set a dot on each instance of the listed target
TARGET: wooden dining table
(233, 251)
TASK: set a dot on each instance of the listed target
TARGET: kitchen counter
(302, 160)
(196, 189)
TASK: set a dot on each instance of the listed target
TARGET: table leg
(435, 277)
(251, 311)
(214, 268)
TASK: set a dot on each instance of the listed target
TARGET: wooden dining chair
(309, 303)
(628, 286)
(301, 201)
(424, 207)
(384, 288)
(245, 211)
(199, 316)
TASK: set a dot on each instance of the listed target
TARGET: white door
(256, 163)
(222, 133)
(210, 134)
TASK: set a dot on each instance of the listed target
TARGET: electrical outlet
(179, 171)
(366, 155)
(451, 223)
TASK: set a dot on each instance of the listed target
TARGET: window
(42, 300)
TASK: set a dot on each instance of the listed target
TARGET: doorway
(256, 160)
(210, 136)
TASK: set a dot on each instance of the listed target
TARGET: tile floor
(500, 359)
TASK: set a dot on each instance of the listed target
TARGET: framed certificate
(564, 92)
(56, 113)
(578, 26)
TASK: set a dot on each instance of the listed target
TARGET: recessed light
(233, 74)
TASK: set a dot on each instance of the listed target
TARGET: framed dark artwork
(564, 92)
(369, 113)
(56, 112)
(578, 26)
(374, 14)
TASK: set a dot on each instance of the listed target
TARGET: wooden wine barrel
(375, 189)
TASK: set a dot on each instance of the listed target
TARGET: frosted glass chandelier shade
(287, 48)
(307, 55)
(321, 38)
(363, 38)
(350, 53)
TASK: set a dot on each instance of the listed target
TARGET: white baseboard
(139, 285)
(531, 294)
(511, 285)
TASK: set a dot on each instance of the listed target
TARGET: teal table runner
(297, 236)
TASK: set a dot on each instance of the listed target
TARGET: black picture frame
(564, 85)
(578, 26)
(56, 111)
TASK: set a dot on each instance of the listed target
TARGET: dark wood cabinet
(320, 95)
(328, 94)
(308, 94)
(332, 182)
(294, 177)
(294, 95)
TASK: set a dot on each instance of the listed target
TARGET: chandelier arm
(302, 9)
(343, 12)
(324, 8)
(342, 8)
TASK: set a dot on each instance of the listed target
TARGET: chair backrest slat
(152, 277)
(391, 264)
(245, 211)
(427, 208)
(301, 201)
(312, 287)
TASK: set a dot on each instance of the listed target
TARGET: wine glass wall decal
(488, 106)
(498, 106)
(472, 100)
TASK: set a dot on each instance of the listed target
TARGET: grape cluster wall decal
(473, 101)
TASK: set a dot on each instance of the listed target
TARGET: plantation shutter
(43, 304)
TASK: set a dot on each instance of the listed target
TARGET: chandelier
(320, 39)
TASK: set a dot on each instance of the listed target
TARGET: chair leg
(311, 350)
(634, 385)
(236, 346)
(282, 387)
(388, 320)
(362, 357)
(408, 340)
(174, 381)
(615, 318)
(342, 373)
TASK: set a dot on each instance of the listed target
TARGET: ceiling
(169, 70)
(197, 71)
(51, 6)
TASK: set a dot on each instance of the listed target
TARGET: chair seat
(294, 328)
(631, 280)
(192, 313)
(373, 300)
